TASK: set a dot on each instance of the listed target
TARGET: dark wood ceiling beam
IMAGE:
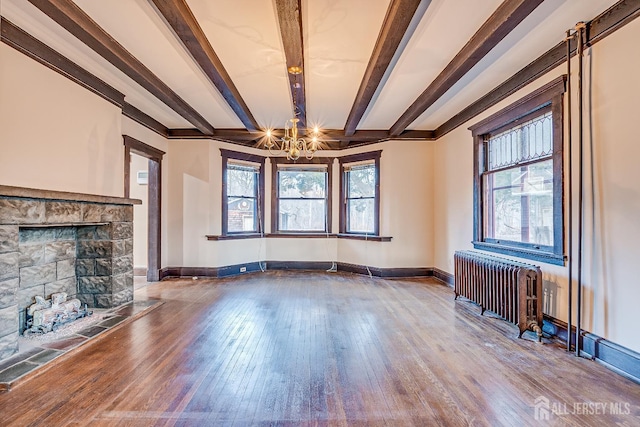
(506, 17)
(601, 26)
(73, 19)
(290, 20)
(35, 49)
(180, 18)
(396, 23)
(242, 136)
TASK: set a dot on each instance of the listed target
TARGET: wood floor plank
(317, 349)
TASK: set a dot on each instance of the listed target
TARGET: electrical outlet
(243, 269)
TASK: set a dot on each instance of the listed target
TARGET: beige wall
(195, 183)
(612, 193)
(54, 134)
(140, 212)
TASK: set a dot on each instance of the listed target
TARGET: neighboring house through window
(301, 195)
(360, 194)
(518, 194)
(242, 193)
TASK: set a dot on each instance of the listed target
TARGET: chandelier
(292, 144)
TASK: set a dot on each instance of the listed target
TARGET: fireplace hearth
(56, 242)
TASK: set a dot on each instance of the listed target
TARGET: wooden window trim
(361, 157)
(275, 161)
(236, 155)
(551, 95)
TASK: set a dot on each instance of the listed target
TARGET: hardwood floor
(301, 348)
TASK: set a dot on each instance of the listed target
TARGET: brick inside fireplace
(61, 242)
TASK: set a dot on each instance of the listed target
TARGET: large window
(302, 202)
(518, 182)
(360, 194)
(242, 193)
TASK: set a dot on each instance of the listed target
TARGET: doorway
(154, 197)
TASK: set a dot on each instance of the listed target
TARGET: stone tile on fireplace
(9, 263)
(8, 320)
(66, 268)
(57, 212)
(104, 267)
(85, 267)
(37, 275)
(8, 291)
(122, 264)
(16, 371)
(68, 285)
(66, 343)
(8, 238)
(94, 232)
(31, 254)
(59, 250)
(21, 211)
(8, 345)
(122, 230)
(94, 285)
(93, 249)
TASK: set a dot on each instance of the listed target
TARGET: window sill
(299, 235)
(234, 236)
(365, 237)
(530, 254)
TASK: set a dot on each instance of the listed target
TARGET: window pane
(302, 215)
(529, 141)
(241, 182)
(362, 182)
(519, 204)
(241, 214)
(302, 184)
(361, 216)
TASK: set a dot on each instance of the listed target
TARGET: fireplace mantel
(32, 193)
(55, 241)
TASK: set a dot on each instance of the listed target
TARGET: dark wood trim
(299, 235)
(144, 119)
(180, 18)
(548, 96)
(533, 101)
(396, 23)
(366, 237)
(611, 20)
(73, 19)
(446, 278)
(142, 149)
(275, 161)
(35, 49)
(505, 18)
(127, 173)
(154, 258)
(154, 262)
(239, 236)
(252, 267)
(387, 273)
(299, 265)
(600, 27)
(290, 21)
(360, 157)
(235, 155)
(619, 359)
(209, 272)
(334, 139)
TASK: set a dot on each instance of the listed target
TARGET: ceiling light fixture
(292, 144)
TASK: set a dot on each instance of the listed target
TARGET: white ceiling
(339, 36)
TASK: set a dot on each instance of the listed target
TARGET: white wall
(195, 183)
(612, 193)
(54, 134)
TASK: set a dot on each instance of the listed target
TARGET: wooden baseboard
(233, 270)
(443, 276)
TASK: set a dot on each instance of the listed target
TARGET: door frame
(132, 145)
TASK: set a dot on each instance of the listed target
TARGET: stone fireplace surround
(53, 241)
